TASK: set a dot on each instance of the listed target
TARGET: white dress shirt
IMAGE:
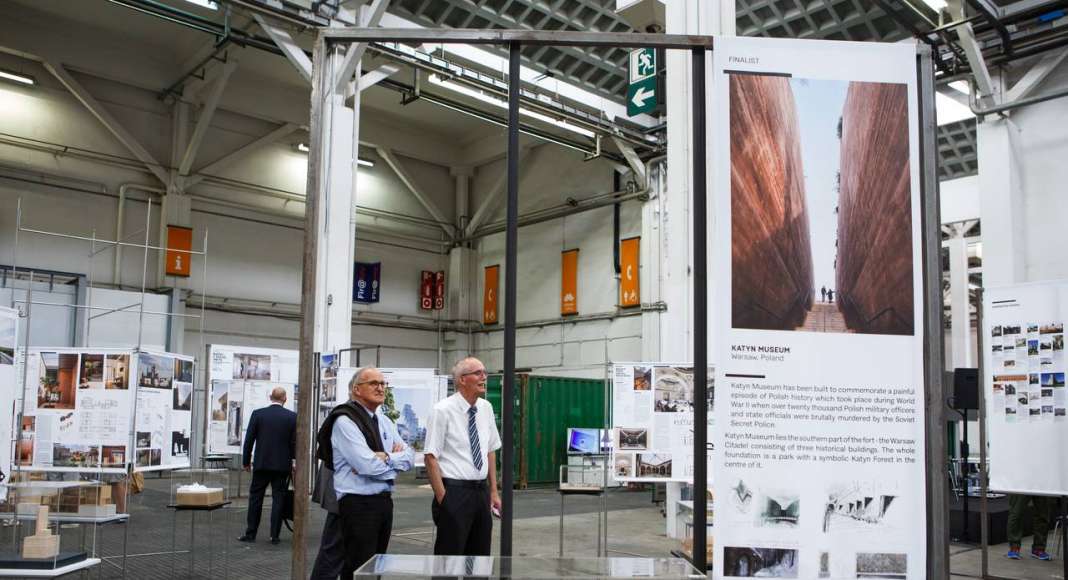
(448, 441)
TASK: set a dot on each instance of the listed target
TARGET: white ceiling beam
(369, 17)
(974, 54)
(107, 119)
(241, 153)
(633, 161)
(368, 80)
(294, 53)
(1035, 76)
(495, 196)
(420, 195)
(207, 112)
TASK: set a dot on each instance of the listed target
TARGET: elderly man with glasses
(367, 452)
(460, 453)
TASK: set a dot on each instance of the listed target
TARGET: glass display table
(388, 566)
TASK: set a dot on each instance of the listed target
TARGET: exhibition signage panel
(569, 282)
(8, 388)
(629, 287)
(77, 410)
(652, 421)
(490, 287)
(241, 379)
(819, 446)
(179, 246)
(641, 90)
(163, 414)
(1024, 388)
(366, 282)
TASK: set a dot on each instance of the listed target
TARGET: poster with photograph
(68, 429)
(819, 445)
(652, 420)
(8, 392)
(163, 413)
(1024, 387)
(410, 399)
(230, 407)
(248, 363)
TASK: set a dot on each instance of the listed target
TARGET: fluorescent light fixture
(209, 4)
(962, 86)
(303, 148)
(16, 77)
(936, 5)
(950, 110)
(498, 102)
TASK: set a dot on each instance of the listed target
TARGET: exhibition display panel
(1024, 385)
(8, 393)
(241, 379)
(818, 325)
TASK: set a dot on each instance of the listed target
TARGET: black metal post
(700, 316)
(965, 468)
(511, 237)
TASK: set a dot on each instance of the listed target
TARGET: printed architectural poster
(8, 390)
(652, 421)
(163, 421)
(819, 338)
(411, 398)
(1024, 388)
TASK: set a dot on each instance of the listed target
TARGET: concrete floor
(637, 529)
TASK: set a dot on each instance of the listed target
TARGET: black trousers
(465, 525)
(366, 523)
(261, 478)
(331, 556)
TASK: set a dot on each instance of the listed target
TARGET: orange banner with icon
(489, 294)
(569, 282)
(629, 289)
(179, 244)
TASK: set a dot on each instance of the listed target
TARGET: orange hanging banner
(489, 295)
(179, 244)
(569, 282)
(629, 289)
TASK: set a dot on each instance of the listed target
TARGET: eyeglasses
(479, 372)
(375, 384)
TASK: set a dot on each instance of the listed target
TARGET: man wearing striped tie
(460, 453)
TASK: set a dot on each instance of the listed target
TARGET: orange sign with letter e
(569, 282)
(179, 244)
(489, 295)
(629, 294)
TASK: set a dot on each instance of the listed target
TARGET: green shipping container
(544, 409)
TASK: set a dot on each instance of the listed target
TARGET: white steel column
(675, 332)
(1000, 201)
(959, 303)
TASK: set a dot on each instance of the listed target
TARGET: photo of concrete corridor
(821, 216)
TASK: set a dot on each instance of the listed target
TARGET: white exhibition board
(240, 380)
(230, 408)
(8, 387)
(1024, 387)
(163, 412)
(652, 421)
(818, 336)
(411, 397)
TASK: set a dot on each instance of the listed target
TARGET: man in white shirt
(460, 455)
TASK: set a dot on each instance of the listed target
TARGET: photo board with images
(163, 413)
(230, 406)
(410, 398)
(1024, 387)
(653, 421)
(76, 410)
(9, 332)
(817, 318)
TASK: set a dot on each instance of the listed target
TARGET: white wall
(959, 199)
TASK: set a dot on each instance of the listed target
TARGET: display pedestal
(192, 510)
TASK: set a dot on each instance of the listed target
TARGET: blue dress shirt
(356, 468)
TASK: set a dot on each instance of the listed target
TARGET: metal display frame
(326, 74)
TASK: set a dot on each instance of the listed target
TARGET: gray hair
(458, 368)
(359, 375)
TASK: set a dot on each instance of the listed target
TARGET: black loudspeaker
(965, 389)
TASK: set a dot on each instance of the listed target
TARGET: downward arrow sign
(640, 96)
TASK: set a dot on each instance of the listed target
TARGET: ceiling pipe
(980, 112)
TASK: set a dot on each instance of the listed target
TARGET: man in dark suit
(272, 431)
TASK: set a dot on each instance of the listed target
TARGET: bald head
(469, 376)
(278, 395)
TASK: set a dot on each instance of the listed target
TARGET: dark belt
(472, 483)
(384, 494)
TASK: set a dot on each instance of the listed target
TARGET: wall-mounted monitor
(587, 441)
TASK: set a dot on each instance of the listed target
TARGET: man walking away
(272, 432)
